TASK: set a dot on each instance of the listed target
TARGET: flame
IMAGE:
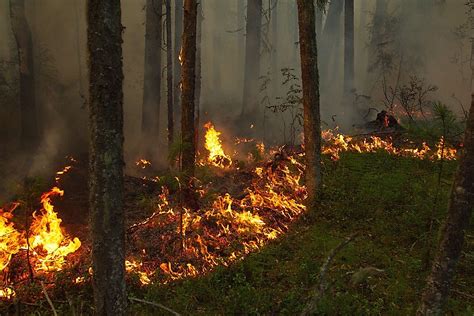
(217, 156)
(10, 239)
(47, 239)
(7, 293)
(135, 267)
(338, 143)
(143, 163)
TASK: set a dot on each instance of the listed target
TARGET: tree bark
(29, 131)
(460, 207)
(169, 75)
(152, 76)
(310, 78)
(188, 88)
(252, 57)
(197, 101)
(178, 33)
(104, 41)
(348, 48)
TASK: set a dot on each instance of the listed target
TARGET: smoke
(60, 28)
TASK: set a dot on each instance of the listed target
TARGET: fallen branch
(154, 304)
(319, 290)
(48, 299)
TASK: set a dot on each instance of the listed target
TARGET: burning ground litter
(242, 207)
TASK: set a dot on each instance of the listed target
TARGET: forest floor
(386, 200)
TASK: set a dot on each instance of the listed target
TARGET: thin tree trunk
(188, 88)
(78, 49)
(29, 123)
(460, 207)
(348, 48)
(104, 34)
(197, 101)
(331, 36)
(310, 78)
(241, 44)
(275, 51)
(152, 76)
(377, 30)
(169, 75)
(178, 33)
(252, 57)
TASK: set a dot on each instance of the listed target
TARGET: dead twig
(48, 299)
(319, 290)
(154, 304)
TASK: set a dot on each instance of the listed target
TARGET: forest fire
(43, 243)
(217, 156)
(338, 143)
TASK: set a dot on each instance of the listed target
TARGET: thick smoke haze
(59, 37)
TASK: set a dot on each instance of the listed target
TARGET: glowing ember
(217, 156)
(143, 163)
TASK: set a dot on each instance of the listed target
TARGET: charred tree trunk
(178, 33)
(310, 78)
(197, 101)
(348, 49)
(104, 40)
(29, 132)
(169, 75)
(252, 57)
(152, 76)
(188, 88)
(459, 214)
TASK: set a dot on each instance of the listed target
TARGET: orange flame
(213, 144)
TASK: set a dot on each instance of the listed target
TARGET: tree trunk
(197, 101)
(377, 31)
(348, 49)
(240, 45)
(188, 88)
(106, 163)
(152, 76)
(169, 75)
(29, 124)
(331, 36)
(252, 57)
(310, 78)
(178, 33)
(459, 214)
(275, 64)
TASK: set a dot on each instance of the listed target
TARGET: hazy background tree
(152, 77)
(29, 132)
(252, 58)
(348, 49)
(104, 34)
(311, 105)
